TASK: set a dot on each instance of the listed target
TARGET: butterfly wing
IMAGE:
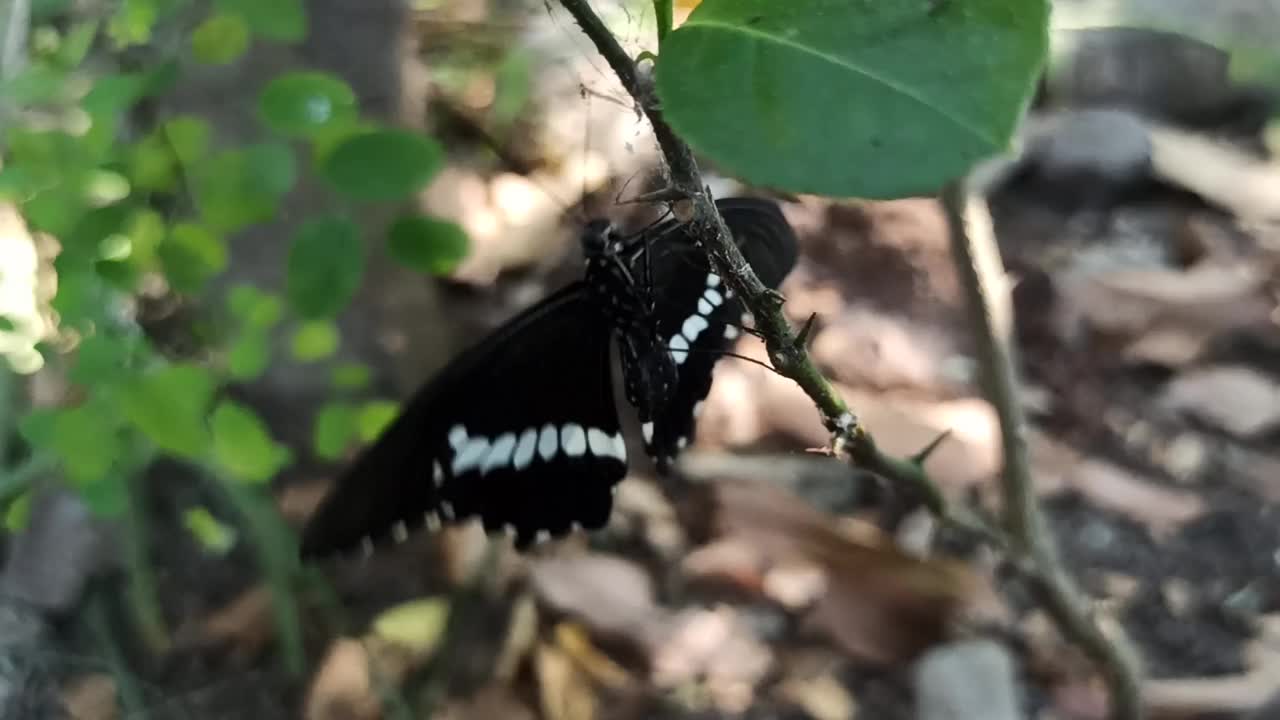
(698, 315)
(520, 431)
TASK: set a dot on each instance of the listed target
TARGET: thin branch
(981, 274)
(1028, 547)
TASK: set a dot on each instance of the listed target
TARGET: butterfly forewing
(697, 315)
(521, 431)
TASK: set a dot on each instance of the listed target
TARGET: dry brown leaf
(606, 593)
(244, 625)
(342, 688)
(1238, 399)
(882, 604)
(522, 636)
(1057, 467)
(574, 641)
(91, 697)
(565, 691)
(717, 647)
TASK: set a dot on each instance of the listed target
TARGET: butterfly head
(599, 239)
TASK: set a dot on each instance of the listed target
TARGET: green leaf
(334, 429)
(281, 20)
(18, 513)
(242, 445)
(427, 244)
(191, 256)
(237, 188)
(114, 94)
(325, 265)
(103, 359)
(256, 309)
(87, 441)
(188, 137)
(351, 376)
(76, 44)
(104, 187)
(302, 104)
(132, 22)
(513, 82)
(383, 164)
(315, 340)
(325, 140)
(869, 99)
(169, 405)
(220, 39)
(7, 324)
(151, 164)
(213, 535)
(249, 356)
(374, 416)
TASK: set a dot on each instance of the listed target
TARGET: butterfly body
(522, 430)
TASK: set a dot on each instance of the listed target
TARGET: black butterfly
(522, 431)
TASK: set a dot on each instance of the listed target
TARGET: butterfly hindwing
(698, 316)
(521, 431)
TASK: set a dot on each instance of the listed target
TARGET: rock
(971, 679)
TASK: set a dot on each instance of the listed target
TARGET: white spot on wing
(704, 307)
(693, 327)
(548, 441)
(366, 547)
(432, 521)
(647, 430)
(524, 451)
(470, 456)
(446, 510)
(457, 437)
(437, 473)
(399, 532)
(713, 296)
(599, 442)
(499, 452)
(541, 536)
(731, 332)
(620, 448)
(697, 408)
(712, 280)
(573, 439)
(679, 349)
(681, 442)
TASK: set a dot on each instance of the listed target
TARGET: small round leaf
(243, 446)
(325, 264)
(427, 244)
(383, 164)
(315, 340)
(301, 104)
(220, 39)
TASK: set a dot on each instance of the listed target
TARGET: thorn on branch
(923, 454)
(801, 341)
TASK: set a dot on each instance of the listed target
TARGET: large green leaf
(169, 407)
(243, 446)
(325, 264)
(874, 99)
(306, 103)
(383, 164)
(427, 244)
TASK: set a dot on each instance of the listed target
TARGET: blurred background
(1139, 219)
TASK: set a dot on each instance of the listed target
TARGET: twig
(1028, 545)
(980, 270)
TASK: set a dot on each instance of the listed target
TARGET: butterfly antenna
(725, 353)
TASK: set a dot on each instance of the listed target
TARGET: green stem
(664, 12)
(15, 482)
(99, 626)
(144, 600)
(274, 546)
